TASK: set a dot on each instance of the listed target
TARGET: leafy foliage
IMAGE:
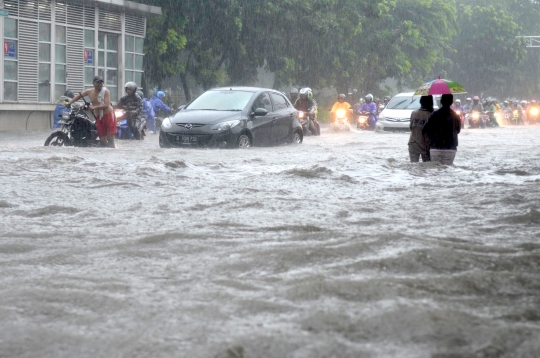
(341, 43)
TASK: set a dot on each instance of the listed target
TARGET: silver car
(396, 116)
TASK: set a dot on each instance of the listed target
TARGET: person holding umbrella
(442, 129)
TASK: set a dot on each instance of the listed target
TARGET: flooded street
(338, 247)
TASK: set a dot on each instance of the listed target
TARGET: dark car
(233, 117)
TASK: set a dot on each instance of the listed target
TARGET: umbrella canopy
(439, 86)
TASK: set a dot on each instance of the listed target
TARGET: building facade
(51, 46)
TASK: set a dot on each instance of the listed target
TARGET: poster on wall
(88, 57)
(10, 49)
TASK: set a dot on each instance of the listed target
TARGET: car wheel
(244, 141)
(296, 138)
(163, 143)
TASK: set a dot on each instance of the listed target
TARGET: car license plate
(186, 139)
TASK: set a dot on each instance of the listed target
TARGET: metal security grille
(28, 61)
(60, 10)
(75, 59)
(109, 20)
(12, 6)
(89, 17)
(135, 25)
(45, 10)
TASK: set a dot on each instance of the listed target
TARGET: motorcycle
(516, 118)
(476, 120)
(533, 115)
(308, 122)
(362, 121)
(341, 121)
(507, 117)
(126, 131)
(76, 128)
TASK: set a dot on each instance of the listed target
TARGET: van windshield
(404, 102)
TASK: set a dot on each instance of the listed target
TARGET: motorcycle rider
(148, 111)
(132, 104)
(293, 95)
(477, 107)
(460, 110)
(519, 109)
(385, 101)
(371, 108)
(157, 103)
(525, 108)
(341, 104)
(306, 104)
(468, 105)
(490, 109)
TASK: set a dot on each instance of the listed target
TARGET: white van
(396, 116)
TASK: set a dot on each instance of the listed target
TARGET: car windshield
(225, 100)
(404, 102)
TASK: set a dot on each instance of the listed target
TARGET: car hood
(197, 116)
(397, 113)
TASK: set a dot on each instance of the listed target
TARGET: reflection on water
(335, 248)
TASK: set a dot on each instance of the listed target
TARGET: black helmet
(140, 94)
(69, 94)
(386, 98)
(131, 85)
(341, 96)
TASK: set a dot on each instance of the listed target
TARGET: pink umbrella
(439, 86)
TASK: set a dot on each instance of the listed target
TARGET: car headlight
(166, 123)
(223, 126)
(381, 117)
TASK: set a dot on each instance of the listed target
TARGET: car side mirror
(181, 107)
(260, 112)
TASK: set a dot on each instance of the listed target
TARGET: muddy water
(334, 248)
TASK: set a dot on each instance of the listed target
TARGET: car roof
(243, 88)
(411, 94)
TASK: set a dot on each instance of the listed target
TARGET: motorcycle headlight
(223, 126)
(475, 115)
(166, 123)
(340, 113)
(534, 111)
(301, 114)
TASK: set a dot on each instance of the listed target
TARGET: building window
(89, 57)
(44, 80)
(134, 59)
(60, 62)
(10, 59)
(108, 62)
